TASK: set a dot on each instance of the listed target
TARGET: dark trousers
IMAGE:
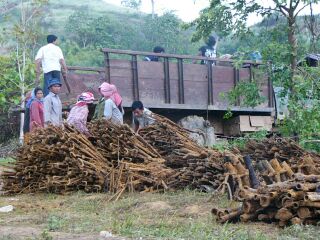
(47, 78)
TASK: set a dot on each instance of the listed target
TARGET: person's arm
(47, 105)
(35, 113)
(107, 113)
(84, 119)
(136, 125)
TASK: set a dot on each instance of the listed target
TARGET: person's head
(158, 49)
(107, 89)
(211, 41)
(54, 86)
(86, 97)
(38, 93)
(52, 39)
(137, 108)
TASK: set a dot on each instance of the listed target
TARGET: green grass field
(172, 215)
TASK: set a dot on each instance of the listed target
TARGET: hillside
(108, 25)
(84, 27)
(270, 29)
(57, 12)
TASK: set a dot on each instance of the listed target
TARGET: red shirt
(36, 115)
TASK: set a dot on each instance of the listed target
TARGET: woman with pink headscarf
(113, 103)
(79, 113)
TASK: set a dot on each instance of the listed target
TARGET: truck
(177, 87)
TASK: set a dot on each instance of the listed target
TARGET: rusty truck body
(176, 87)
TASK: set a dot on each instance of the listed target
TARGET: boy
(142, 116)
(52, 104)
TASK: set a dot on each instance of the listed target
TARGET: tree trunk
(293, 50)
(152, 7)
(311, 24)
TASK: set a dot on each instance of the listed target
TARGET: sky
(188, 10)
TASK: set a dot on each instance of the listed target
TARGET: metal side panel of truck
(173, 86)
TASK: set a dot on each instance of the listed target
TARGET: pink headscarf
(110, 91)
(85, 98)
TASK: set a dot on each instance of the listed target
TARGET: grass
(6, 162)
(240, 142)
(57, 13)
(179, 215)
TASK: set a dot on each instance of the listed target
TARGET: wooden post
(210, 83)
(236, 79)
(135, 82)
(270, 92)
(107, 66)
(167, 96)
(180, 81)
(251, 79)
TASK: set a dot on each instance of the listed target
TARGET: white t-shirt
(50, 56)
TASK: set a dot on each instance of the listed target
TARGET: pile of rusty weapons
(61, 160)
(196, 166)
(56, 160)
(280, 184)
(113, 159)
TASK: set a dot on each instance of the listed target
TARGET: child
(142, 116)
(79, 113)
(36, 110)
(52, 104)
(112, 110)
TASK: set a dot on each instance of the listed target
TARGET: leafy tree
(26, 33)
(226, 17)
(134, 4)
(164, 31)
(79, 26)
(313, 25)
(305, 108)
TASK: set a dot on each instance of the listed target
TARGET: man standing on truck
(209, 50)
(50, 58)
(142, 116)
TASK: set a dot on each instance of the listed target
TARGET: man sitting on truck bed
(156, 49)
(142, 116)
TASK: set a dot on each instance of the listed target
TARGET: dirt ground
(16, 232)
(171, 215)
(179, 215)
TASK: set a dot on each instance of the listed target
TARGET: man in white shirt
(50, 58)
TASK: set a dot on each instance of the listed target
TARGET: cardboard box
(247, 123)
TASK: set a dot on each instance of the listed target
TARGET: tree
(79, 27)
(312, 24)
(134, 4)
(152, 9)
(230, 17)
(9, 83)
(162, 30)
(26, 33)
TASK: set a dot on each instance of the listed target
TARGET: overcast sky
(188, 10)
